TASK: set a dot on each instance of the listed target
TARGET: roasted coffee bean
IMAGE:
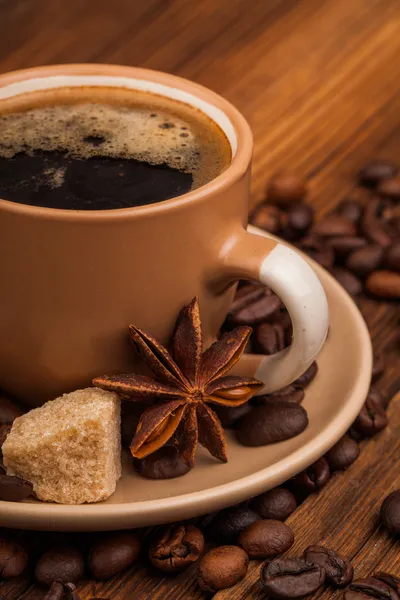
(351, 209)
(13, 558)
(370, 587)
(229, 523)
(229, 415)
(267, 217)
(299, 219)
(286, 188)
(290, 393)
(390, 512)
(346, 244)
(392, 258)
(61, 563)
(222, 568)
(384, 284)
(14, 489)
(318, 250)
(371, 419)
(334, 225)
(315, 477)
(268, 338)
(165, 463)
(376, 171)
(343, 454)
(257, 310)
(339, 571)
(9, 410)
(246, 294)
(365, 260)
(372, 225)
(56, 591)
(272, 422)
(350, 282)
(278, 504)
(378, 397)
(291, 578)
(266, 539)
(390, 580)
(308, 376)
(112, 554)
(390, 188)
(176, 548)
(72, 592)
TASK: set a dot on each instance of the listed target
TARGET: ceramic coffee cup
(72, 281)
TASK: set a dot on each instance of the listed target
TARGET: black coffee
(102, 149)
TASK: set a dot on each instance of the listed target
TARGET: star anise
(184, 383)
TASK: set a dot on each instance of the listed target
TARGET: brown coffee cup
(72, 281)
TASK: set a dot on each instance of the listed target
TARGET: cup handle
(263, 259)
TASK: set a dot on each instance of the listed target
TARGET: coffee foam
(142, 130)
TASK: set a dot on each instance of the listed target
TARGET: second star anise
(185, 383)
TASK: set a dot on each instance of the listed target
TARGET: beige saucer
(332, 401)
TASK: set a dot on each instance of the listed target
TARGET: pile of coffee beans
(359, 243)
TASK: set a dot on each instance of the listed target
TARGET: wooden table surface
(319, 82)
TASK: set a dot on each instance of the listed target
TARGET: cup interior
(48, 82)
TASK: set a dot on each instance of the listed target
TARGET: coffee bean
(376, 171)
(56, 592)
(222, 568)
(346, 244)
(390, 580)
(256, 310)
(13, 558)
(371, 419)
(390, 188)
(318, 250)
(365, 260)
(72, 592)
(308, 376)
(290, 393)
(365, 589)
(392, 258)
(267, 217)
(343, 454)
(272, 422)
(229, 415)
(246, 294)
(14, 489)
(351, 209)
(61, 563)
(291, 578)
(176, 548)
(268, 338)
(9, 410)
(372, 226)
(229, 523)
(286, 188)
(299, 219)
(384, 284)
(339, 571)
(112, 554)
(315, 477)
(390, 512)
(266, 539)
(334, 225)
(350, 282)
(165, 463)
(378, 397)
(278, 504)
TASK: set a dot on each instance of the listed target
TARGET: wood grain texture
(319, 83)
